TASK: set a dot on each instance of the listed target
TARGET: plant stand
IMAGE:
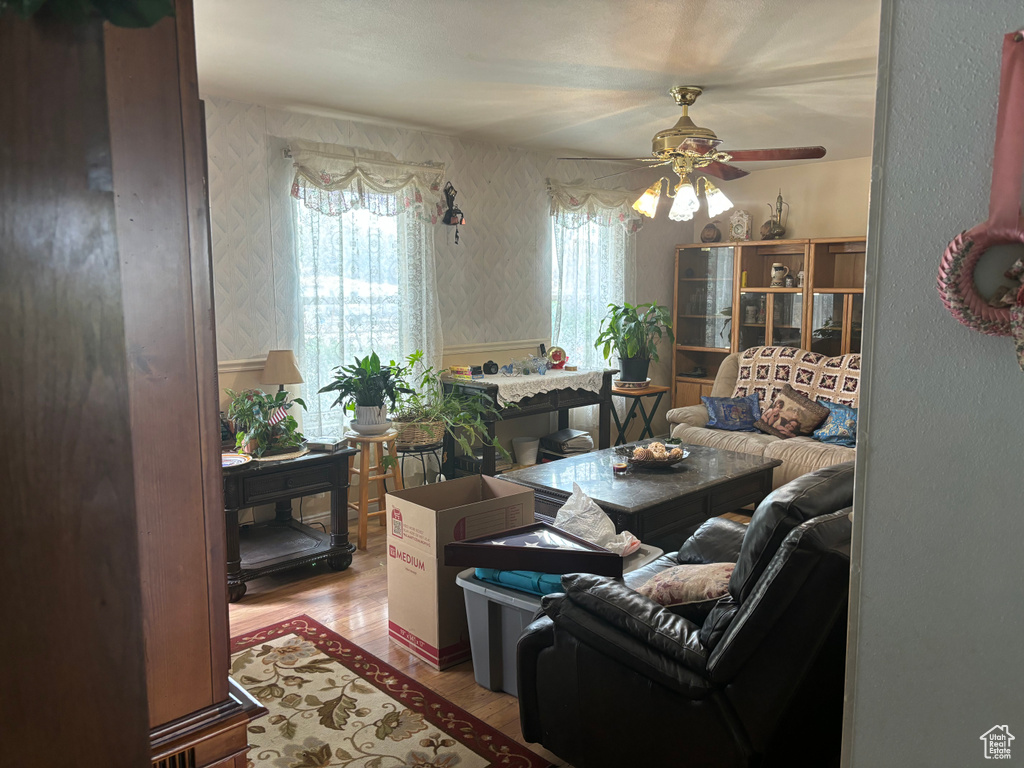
(419, 453)
(637, 395)
(373, 448)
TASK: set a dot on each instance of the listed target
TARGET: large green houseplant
(262, 423)
(426, 408)
(365, 389)
(633, 332)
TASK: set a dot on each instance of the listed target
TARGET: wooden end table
(284, 542)
(637, 395)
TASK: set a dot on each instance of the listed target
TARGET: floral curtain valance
(333, 180)
(574, 205)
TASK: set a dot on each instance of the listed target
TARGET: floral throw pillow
(840, 428)
(695, 588)
(791, 414)
(736, 414)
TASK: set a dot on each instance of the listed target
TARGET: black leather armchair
(610, 678)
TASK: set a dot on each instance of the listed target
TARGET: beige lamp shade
(281, 368)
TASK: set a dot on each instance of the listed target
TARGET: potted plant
(634, 332)
(365, 389)
(262, 424)
(426, 409)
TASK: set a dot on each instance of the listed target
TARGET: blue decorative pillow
(840, 428)
(737, 414)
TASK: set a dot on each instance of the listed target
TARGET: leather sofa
(609, 678)
(765, 370)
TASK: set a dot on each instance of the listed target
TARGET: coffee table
(661, 507)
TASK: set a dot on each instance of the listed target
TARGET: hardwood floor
(354, 603)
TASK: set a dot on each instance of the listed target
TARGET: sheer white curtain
(593, 265)
(364, 239)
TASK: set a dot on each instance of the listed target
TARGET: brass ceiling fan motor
(666, 143)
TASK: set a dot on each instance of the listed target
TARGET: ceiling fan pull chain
(997, 316)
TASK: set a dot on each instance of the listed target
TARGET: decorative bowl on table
(657, 463)
(620, 384)
(640, 456)
(234, 459)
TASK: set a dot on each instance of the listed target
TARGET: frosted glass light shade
(647, 203)
(718, 203)
(685, 203)
(281, 368)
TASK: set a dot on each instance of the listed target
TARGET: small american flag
(276, 417)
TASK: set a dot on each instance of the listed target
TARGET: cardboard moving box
(426, 607)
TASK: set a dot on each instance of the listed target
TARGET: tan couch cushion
(693, 415)
(742, 442)
(801, 455)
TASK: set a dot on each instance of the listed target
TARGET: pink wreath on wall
(1003, 314)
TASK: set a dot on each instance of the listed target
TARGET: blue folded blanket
(534, 582)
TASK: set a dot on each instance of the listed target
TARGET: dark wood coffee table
(661, 507)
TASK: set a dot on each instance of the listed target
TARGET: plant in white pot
(365, 389)
(633, 332)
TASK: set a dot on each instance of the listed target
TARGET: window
(592, 266)
(367, 282)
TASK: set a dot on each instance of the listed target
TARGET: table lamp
(281, 369)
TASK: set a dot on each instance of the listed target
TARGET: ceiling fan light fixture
(647, 203)
(718, 203)
(685, 203)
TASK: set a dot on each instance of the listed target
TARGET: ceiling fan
(688, 147)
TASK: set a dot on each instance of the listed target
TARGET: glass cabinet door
(827, 315)
(856, 320)
(705, 298)
(787, 319)
(753, 319)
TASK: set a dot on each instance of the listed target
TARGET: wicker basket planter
(415, 433)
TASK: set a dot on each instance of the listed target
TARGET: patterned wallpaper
(493, 287)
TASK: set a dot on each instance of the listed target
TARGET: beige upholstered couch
(766, 370)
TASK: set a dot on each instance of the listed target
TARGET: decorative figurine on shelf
(779, 274)
(775, 228)
(800, 279)
(711, 233)
(739, 225)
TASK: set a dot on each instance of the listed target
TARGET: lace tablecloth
(512, 389)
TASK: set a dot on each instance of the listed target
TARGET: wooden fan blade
(723, 171)
(616, 159)
(630, 170)
(781, 153)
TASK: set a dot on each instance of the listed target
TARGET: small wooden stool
(373, 448)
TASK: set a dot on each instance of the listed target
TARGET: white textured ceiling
(589, 77)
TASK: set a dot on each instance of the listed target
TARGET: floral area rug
(333, 704)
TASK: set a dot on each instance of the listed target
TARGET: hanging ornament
(1003, 314)
(453, 216)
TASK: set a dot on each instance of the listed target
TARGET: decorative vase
(779, 273)
(633, 368)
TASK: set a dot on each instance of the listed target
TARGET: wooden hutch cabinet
(724, 302)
